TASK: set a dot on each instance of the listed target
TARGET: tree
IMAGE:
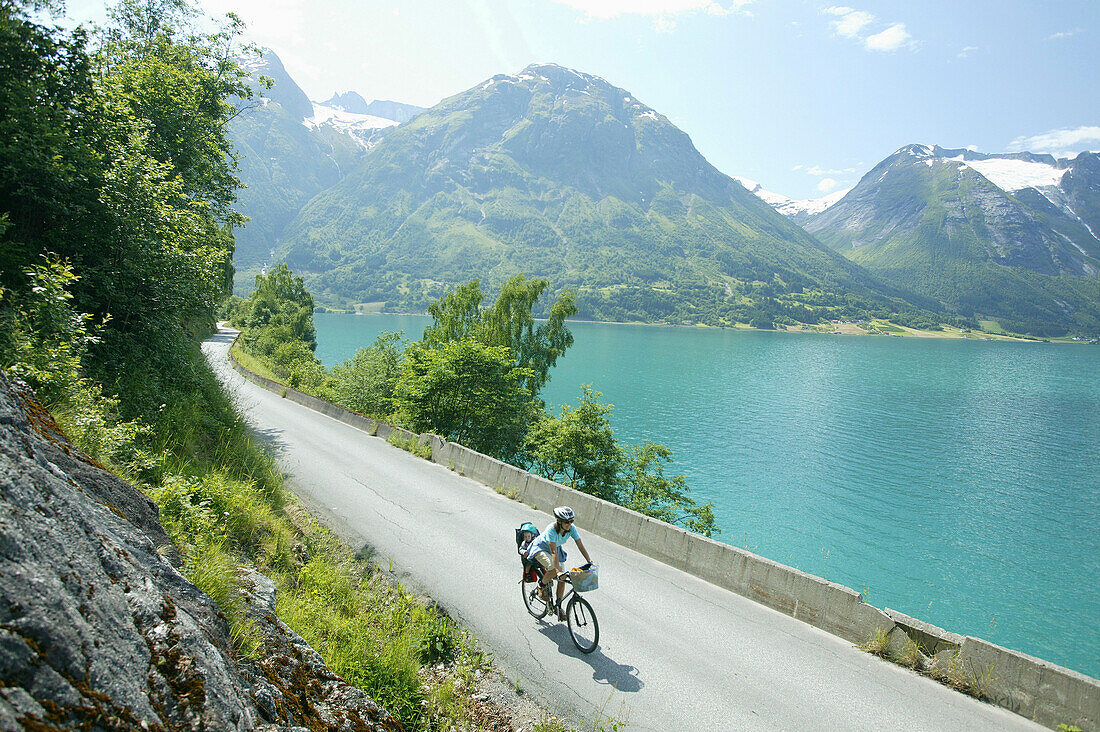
(366, 381)
(467, 392)
(646, 489)
(578, 447)
(280, 309)
(276, 323)
(117, 160)
(510, 322)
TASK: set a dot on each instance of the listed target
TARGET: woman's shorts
(544, 560)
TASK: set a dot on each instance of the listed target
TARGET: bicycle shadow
(620, 676)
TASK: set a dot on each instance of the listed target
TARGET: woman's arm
(580, 545)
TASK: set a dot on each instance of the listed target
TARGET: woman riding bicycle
(547, 551)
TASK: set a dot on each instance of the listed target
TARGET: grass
(992, 326)
(878, 644)
(509, 493)
(253, 364)
(975, 682)
(406, 656)
(410, 444)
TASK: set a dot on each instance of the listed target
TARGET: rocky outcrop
(99, 630)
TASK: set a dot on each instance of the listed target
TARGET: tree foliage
(510, 322)
(578, 447)
(646, 489)
(115, 159)
(276, 323)
(467, 392)
(366, 382)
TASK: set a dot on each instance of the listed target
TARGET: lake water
(956, 481)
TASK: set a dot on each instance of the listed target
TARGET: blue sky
(802, 96)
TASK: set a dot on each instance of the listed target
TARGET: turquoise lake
(957, 481)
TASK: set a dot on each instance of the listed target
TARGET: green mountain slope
(1007, 237)
(282, 163)
(559, 174)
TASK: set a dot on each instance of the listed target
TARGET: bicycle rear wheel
(531, 598)
(584, 629)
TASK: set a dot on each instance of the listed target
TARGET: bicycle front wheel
(584, 629)
(531, 598)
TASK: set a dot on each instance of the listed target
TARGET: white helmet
(564, 513)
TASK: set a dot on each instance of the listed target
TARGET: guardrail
(1038, 690)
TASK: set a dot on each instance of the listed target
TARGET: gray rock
(99, 629)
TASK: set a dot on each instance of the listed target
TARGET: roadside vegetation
(117, 190)
(473, 378)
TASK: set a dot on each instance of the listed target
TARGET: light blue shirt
(550, 534)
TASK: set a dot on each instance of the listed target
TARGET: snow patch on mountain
(1014, 175)
(363, 128)
(789, 206)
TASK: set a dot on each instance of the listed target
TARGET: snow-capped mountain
(365, 129)
(384, 108)
(559, 174)
(1011, 235)
(798, 211)
(290, 149)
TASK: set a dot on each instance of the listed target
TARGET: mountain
(398, 112)
(348, 102)
(558, 174)
(1009, 237)
(289, 150)
(352, 102)
(798, 211)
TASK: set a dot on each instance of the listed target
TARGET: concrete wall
(1048, 694)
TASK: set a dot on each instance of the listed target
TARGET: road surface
(675, 653)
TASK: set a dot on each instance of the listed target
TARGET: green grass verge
(253, 364)
(410, 444)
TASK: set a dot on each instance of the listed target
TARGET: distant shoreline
(846, 328)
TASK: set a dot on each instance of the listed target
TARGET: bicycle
(584, 629)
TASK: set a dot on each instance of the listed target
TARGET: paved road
(676, 653)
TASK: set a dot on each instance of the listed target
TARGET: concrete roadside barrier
(1033, 688)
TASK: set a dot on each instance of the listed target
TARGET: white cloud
(850, 22)
(657, 9)
(1059, 143)
(967, 51)
(972, 148)
(890, 39)
(858, 24)
(664, 24)
(1063, 34)
(826, 185)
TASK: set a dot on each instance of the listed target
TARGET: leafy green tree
(509, 322)
(366, 381)
(469, 393)
(646, 489)
(578, 447)
(457, 315)
(42, 339)
(115, 158)
(276, 323)
(280, 309)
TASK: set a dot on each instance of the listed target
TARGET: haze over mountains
(558, 174)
